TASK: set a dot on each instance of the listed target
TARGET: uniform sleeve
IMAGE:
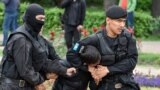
(65, 3)
(54, 66)
(127, 64)
(22, 56)
(52, 63)
(73, 56)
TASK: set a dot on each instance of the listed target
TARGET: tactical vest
(38, 54)
(109, 56)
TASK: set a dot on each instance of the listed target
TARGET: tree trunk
(155, 8)
(108, 3)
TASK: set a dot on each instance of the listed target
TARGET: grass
(149, 58)
(149, 88)
(151, 38)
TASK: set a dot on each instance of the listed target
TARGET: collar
(30, 31)
(115, 40)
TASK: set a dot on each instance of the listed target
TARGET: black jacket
(74, 13)
(24, 60)
(118, 54)
(124, 48)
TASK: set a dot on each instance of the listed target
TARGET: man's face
(116, 25)
(40, 17)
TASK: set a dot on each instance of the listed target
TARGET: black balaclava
(30, 17)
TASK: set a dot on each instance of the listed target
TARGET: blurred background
(146, 32)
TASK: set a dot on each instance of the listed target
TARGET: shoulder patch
(76, 46)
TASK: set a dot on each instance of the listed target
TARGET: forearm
(53, 66)
(125, 66)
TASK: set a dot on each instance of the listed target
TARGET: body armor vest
(38, 54)
(109, 56)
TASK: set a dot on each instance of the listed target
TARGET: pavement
(150, 47)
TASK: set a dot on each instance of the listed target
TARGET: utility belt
(20, 83)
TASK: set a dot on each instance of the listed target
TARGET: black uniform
(118, 54)
(73, 16)
(28, 56)
(23, 60)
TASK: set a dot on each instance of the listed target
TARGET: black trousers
(71, 35)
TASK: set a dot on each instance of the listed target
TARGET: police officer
(118, 51)
(73, 18)
(28, 57)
